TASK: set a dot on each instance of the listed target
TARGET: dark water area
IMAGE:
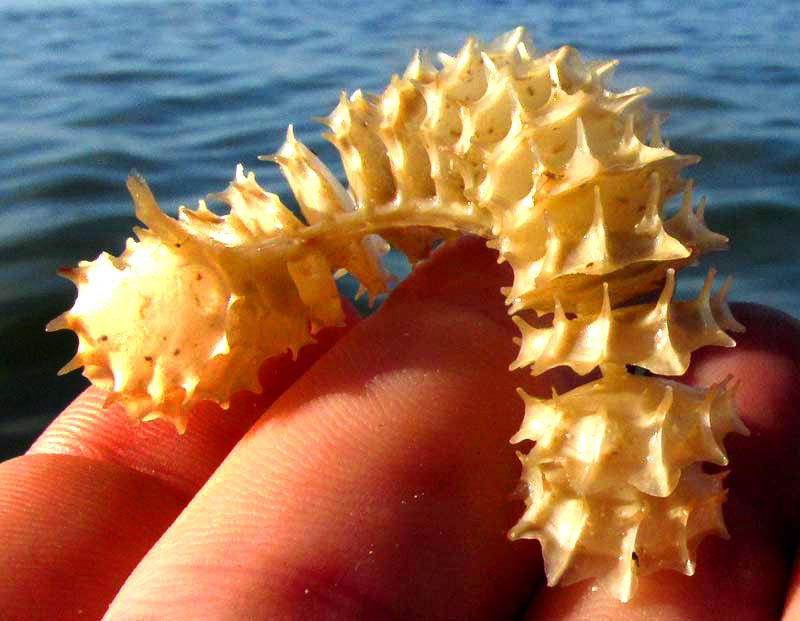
(183, 91)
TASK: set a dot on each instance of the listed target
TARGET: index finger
(184, 461)
(93, 494)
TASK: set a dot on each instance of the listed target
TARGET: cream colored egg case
(567, 180)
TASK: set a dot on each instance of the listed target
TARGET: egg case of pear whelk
(535, 154)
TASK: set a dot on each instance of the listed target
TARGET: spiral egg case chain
(567, 180)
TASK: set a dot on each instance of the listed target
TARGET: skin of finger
(183, 461)
(792, 610)
(746, 577)
(61, 556)
(378, 487)
(94, 493)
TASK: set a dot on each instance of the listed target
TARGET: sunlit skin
(373, 480)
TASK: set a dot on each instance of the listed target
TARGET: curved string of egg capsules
(535, 154)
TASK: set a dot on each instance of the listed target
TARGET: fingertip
(73, 530)
(185, 461)
(463, 272)
(766, 366)
(765, 360)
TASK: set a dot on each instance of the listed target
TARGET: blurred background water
(182, 91)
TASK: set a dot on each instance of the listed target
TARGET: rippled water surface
(183, 91)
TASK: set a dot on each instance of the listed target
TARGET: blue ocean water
(182, 91)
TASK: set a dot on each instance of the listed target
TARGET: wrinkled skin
(373, 479)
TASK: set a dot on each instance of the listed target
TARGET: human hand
(377, 486)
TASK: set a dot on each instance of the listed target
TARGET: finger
(94, 494)
(73, 530)
(184, 461)
(791, 611)
(378, 486)
(766, 361)
(746, 577)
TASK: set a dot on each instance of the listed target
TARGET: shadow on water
(31, 392)
(28, 371)
(761, 236)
